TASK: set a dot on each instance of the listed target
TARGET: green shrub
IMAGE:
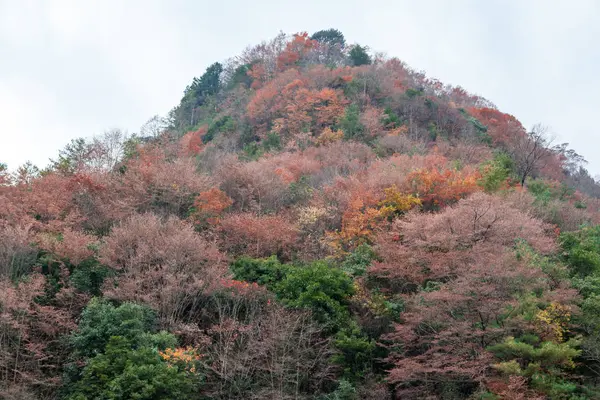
(252, 151)
(496, 172)
(480, 129)
(350, 123)
(124, 371)
(357, 262)
(344, 391)
(358, 56)
(272, 142)
(587, 286)
(544, 192)
(266, 271)
(100, 320)
(89, 276)
(224, 124)
(412, 93)
(357, 352)
(390, 119)
(322, 289)
(581, 251)
(300, 191)
(548, 355)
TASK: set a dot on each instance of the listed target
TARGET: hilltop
(311, 221)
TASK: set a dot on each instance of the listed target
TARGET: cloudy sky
(73, 68)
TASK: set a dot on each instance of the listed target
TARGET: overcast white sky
(72, 68)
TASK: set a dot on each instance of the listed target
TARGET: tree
(100, 320)
(73, 157)
(17, 256)
(124, 371)
(358, 55)
(258, 236)
(153, 127)
(501, 127)
(530, 152)
(26, 173)
(584, 182)
(319, 287)
(4, 175)
(184, 115)
(161, 263)
(438, 184)
(351, 124)
(208, 207)
(31, 336)
(435, 247)
(100, 153)
(330, 37)
(295, 51)
(207, 85)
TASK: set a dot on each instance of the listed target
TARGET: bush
(548, 355)
(545, 191)
(350, 123)
(582, 250)
(322, 289)
(318, 287)
(100, 320)
(123, 372)
(224, 124)
(495, 173)
(357, 353)
(272, 142)
(357, 262)
(266, 271)
(358, 56)
(344, 391)
(89, 276)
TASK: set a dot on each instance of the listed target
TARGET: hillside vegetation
(311, 221)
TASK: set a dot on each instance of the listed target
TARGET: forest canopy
(311, 221)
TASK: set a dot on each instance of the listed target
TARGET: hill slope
(309, 222)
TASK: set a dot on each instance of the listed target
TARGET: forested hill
(311, 221)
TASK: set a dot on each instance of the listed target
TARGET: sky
(75, 68)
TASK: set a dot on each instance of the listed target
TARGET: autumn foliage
(311, 222)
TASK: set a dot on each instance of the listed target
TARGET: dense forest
(311, 221)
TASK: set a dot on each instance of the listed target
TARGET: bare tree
(107, 150)
(154, 127)
(531, 151)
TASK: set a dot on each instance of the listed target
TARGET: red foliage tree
(30, 337)
(438, 246)
(292, 103)
(501, 127)
(164, 264)
(191, 142)
(295, 50)
(155, 183)
(465, 275)
(258, 236)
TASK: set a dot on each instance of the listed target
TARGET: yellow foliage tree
(186, 357)
(396, 202)
(552, 323)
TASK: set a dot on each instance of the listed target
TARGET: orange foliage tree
(295, 50)
(209, 206)
(438, 184)
(502, 127)
(292, 103)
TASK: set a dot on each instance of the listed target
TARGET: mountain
(311, 221)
